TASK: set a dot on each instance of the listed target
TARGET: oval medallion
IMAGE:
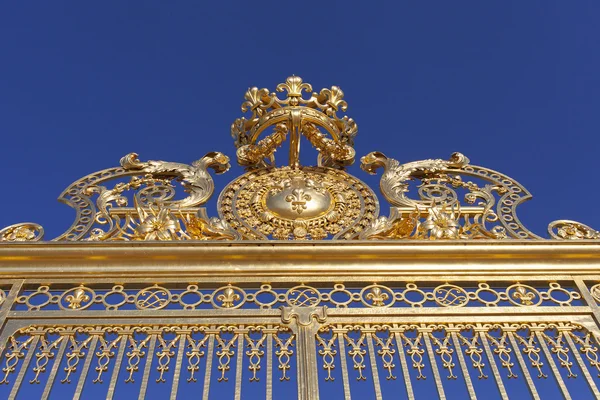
(305, 203)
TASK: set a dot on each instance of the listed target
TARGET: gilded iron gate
(338, 340)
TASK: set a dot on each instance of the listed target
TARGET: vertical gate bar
(582, 366)
(492, 360)
(305, 322)
(463, 365)
(345, 379)
(434, 367)
(269, 379)
(148, 365)
(57, 361)
(524, 368)
(238, 365)
(24, 367)
(7, 306)
(409, 390)
(209, 358)
(555, 371)
(182, 340)
(374, 372)
(86, 367)
(115, 373)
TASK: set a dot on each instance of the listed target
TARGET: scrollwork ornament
(23, 232)
(571, 230)
(452, 199)
(152, 298)
(450, 296)
(303, 296)
(595, 291)
(394, 182)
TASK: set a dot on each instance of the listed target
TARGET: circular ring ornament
(189, 293)
(152, 298)
(412, 289)
(39, 294)
(228, 296)
(340, 290)
(303, 296)
(595, 290)
(377, 296)
(485, 288)
(306, 203)
(77, 298)
(265, 290)
(450, 296)
(523, 295)
(108, 298)
(556, 292)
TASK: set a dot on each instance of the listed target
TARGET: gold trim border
(289, 260)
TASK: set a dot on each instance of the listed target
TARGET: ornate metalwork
(571, 230)
(265, 296)
(23, 232)
(298, 116)
(297, 202)
(308, 203)
(438, 213)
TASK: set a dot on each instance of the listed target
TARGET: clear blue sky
(513, 85)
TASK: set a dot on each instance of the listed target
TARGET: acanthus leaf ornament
(195, 178)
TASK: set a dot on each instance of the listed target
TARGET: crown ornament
(433, 199)
(315, 118)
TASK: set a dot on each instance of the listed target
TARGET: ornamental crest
(434, 199)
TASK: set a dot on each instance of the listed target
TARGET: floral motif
(572, 230)
(24, 232)
(441, 223)
(162, 226)
(20, 234)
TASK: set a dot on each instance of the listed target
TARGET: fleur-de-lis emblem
(228, 297)
(298, 200)
(257, 100)
(331, 100)
(294, 87)
(377, 297)
(524, 296)
(78, 297)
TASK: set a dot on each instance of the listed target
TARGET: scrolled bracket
(493, 202)
(194, 178)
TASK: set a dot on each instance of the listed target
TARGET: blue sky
(513, 85)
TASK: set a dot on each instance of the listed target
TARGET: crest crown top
(314, 116)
